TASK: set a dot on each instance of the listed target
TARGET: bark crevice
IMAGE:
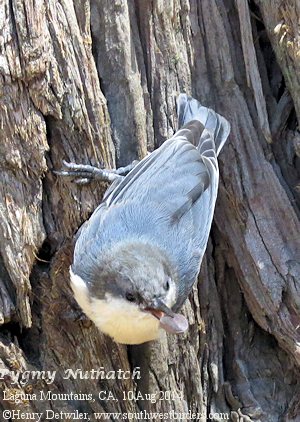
(96, 81)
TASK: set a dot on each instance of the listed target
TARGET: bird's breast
(123, 321)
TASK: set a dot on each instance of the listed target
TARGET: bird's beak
(158, 309)
(168, 320)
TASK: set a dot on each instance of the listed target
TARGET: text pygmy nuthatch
(138, 256)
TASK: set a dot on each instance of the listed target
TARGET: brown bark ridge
(95, 82)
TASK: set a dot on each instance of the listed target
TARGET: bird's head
(142, 277)
(134, 285)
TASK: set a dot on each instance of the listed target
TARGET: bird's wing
(175, 170)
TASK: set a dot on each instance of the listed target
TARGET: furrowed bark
(96, 82)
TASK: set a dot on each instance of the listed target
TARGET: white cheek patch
(171, 295)
(81, 292)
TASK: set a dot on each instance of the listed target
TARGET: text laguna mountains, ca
(24, 377)
(20, 397)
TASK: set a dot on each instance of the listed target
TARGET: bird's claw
(85, 173)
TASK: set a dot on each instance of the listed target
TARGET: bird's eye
(167, 285)
(130, 297)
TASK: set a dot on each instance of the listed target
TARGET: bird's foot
(85, 173)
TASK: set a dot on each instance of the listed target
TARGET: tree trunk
(95, 82)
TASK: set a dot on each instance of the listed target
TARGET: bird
(138, 256)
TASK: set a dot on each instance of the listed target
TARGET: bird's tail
(190, 109)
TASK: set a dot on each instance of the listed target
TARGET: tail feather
(217, 126)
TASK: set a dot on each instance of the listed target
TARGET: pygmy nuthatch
(138, 256)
